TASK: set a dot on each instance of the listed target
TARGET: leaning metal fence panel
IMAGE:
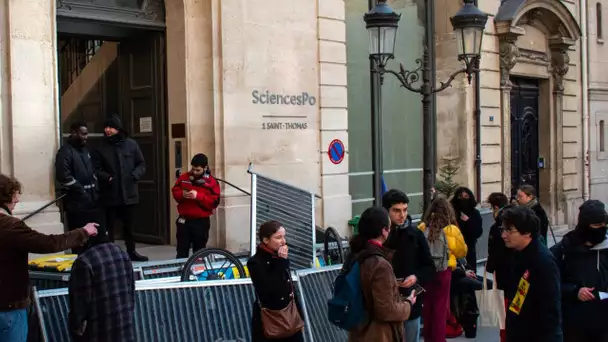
(208, 311)
(316, 288)
(46, 280)
(162, 269)
(294, 207)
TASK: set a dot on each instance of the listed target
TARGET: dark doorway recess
(524, 133)
(121, 70)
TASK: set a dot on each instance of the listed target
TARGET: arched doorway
(111, 60)
(535, 37)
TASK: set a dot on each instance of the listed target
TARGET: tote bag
(491, 304)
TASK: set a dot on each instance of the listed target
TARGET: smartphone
(418, 290)
(186, 185)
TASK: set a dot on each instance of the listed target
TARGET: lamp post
(382, 24)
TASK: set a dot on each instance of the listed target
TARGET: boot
(470, 324)
(136, 257)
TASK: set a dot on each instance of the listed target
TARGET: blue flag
(384, 187)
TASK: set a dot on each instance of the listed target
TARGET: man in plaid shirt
(102, 295)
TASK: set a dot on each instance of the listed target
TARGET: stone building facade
(531, 122)
(598, 99)
(212, 77)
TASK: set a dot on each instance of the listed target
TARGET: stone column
(509, 53)
(29, 110)
(559, 68)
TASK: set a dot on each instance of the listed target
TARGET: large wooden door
(524, 133)
(142, 74)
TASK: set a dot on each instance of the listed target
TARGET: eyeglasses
(507, 230)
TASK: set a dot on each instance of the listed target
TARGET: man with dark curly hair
(16, 241)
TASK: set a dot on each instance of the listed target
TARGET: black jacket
(119, 158)
(499, 255)
(582, 266)
(75, 173)
(412, 256)
(539, 318)
(544, 220)
(471, 230)
(273, 286)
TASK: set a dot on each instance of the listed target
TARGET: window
(402, 109)
(598, 18)
(602, 136)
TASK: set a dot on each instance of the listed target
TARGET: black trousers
(78, 219)
(124, 213)
(192, 232)
(576, 335)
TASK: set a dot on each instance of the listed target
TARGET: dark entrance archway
(111, 59)
(524, 133)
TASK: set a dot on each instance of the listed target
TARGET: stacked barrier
(206, 311)
(294, 207)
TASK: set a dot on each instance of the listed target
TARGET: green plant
(446, 184)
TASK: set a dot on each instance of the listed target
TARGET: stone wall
(28, 96)
(526, 52)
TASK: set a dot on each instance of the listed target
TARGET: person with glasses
(534, 292)
(582, 257)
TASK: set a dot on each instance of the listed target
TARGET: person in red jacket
(197, 195)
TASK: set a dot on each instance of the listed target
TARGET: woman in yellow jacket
(447, 245)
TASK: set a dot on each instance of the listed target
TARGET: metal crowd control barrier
(43, 280)
(161, 269)
(294, 207)
(208, 311)
(315, 289)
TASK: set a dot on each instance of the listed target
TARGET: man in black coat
(75, 174)
(120, 164)
(499, 255)
(534, 312)
(582, 257)
(469, 222)
(412, 260)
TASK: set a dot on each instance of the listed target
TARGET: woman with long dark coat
(269, 270)
(469, 221)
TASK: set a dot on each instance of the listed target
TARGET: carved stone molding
(559, 65)
(133, 12)
(154, 10)
(509, 53)
(534, 56)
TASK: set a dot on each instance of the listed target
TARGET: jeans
(412, 330)
(13, 326)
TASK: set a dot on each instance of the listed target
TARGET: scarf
(4, 211)
(531, 204)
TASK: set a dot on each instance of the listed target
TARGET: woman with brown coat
(380, 289)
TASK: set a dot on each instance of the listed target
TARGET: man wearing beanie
(197, 195)
(120, 164)
(582, 257)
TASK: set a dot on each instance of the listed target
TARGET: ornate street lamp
(382, 24)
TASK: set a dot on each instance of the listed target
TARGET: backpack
(346, 308)
(440, 253)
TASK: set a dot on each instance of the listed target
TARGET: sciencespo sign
(303, 99)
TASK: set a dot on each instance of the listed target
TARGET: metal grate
(162, 269)
(45, 280)
(294, 207)
(195, 311)
(315, 287)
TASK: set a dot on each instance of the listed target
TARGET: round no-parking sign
(336, 151)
